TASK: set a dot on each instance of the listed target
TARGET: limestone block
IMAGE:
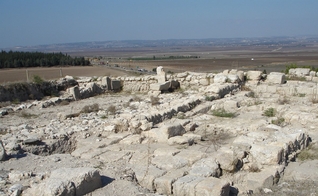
(185, 186)
(161, 75)
(221, 89)
(68, 181)
(191, 156)
(233, 78)
(206, 167)
(115, 85)
(172, 130)
(254, 75)
(169, 162)
(106, 81)
(194, 137)
(182, 75)
(160, 86)
(264, 178)
(204, 81)
(300, 72)
(146, 174)
(212, 186)
(302, 171)
(164, 183)
(220, 78)
(174, 84)
(180, 140)
(230, 105)
(75, 92)
(276, 78)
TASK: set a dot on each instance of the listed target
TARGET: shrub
(223, 113)
(136, 98)
(270, 112)
(283, 100)
(90, 108)
(254, 168)
(279, 121)
(111, 109)
(37, 79)
(208, 98)
(310, 153)
(154, 100)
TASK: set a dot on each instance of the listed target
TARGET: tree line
(38, 59)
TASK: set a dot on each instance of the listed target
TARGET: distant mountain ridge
(118, 44)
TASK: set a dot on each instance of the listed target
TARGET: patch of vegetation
(254, 168)
(111, 109)
(27, 115)
(15, 101)
(245, 88)
(154, 100)
(283, 100)
(301, 95)
(294, 66)
(223, 113)
(209, 98)
(270, 112)
(103, 117)
(37, 79)
(279, 121)
(296, 78)
(90, 108)
(310, 153)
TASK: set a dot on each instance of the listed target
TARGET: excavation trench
(48, 147)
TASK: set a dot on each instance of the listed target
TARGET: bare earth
(210, 59)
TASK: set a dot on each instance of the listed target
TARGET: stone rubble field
(230, 133)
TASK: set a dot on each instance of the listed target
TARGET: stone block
(185, 186)
(164, 183)
(68, 181)
(276, 78)
(160, 87)
(115, 85)
(254, 75)
(212, 186)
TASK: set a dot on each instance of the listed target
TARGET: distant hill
(101, 45)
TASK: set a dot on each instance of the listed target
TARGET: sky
(39, 22)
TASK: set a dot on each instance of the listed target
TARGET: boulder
(164, 183)
(299, 72)
(165, 132)
(254, 75)
(185, 186)
(68, 181)
(220, 78)
(213, 186)
(205, 168)
(75, 92)
(115, 85)
(160, 86)
(276, 78)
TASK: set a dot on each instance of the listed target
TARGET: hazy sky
(35, 22)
